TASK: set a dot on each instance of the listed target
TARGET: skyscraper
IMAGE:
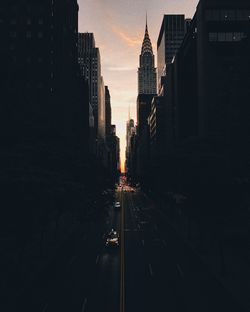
(146, 82)
(172, 32)
(90, 67)
(38, 60)
(147, 70)
(108, 111)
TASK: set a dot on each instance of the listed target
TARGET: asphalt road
(162, 273)
(152, 270)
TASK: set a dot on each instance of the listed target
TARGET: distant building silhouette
(130, 131)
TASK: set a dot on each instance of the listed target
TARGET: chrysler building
(147, 70)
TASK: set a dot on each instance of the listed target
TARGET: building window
(221, 36)
(226, 36)
(40, 21)
(229, 37)
(28, 21)
(40, 35)
(227, 15)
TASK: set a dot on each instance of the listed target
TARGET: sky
(118, 27)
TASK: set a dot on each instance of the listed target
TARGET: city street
(125, 156)
(152, 270)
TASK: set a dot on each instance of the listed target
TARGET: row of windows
(40, 21)
(40, 34)
(227, 15)
(226, 36)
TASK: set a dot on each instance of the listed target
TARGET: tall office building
(90, 67)
(147, 70)
(101, 111)
(108, 111)
(38, 60)
(172, 32)
(146, 82)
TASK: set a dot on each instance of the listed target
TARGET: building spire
(146, 45)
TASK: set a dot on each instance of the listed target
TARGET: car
(117, 205)
(112, 239)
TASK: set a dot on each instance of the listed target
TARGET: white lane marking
(143, 242)
(97, 259)
(45, 307)
(180, 270)
(151, 270)
(84, 304)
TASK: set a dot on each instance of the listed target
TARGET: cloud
(132, 41)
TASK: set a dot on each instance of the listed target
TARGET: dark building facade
(113, 155)
(108, 111)
(156, 121)
(172, 32)
(39, 66)
(208, 132)
(130, 132)
(215, 54)
(90, 68)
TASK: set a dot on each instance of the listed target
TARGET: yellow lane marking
(122, 282)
